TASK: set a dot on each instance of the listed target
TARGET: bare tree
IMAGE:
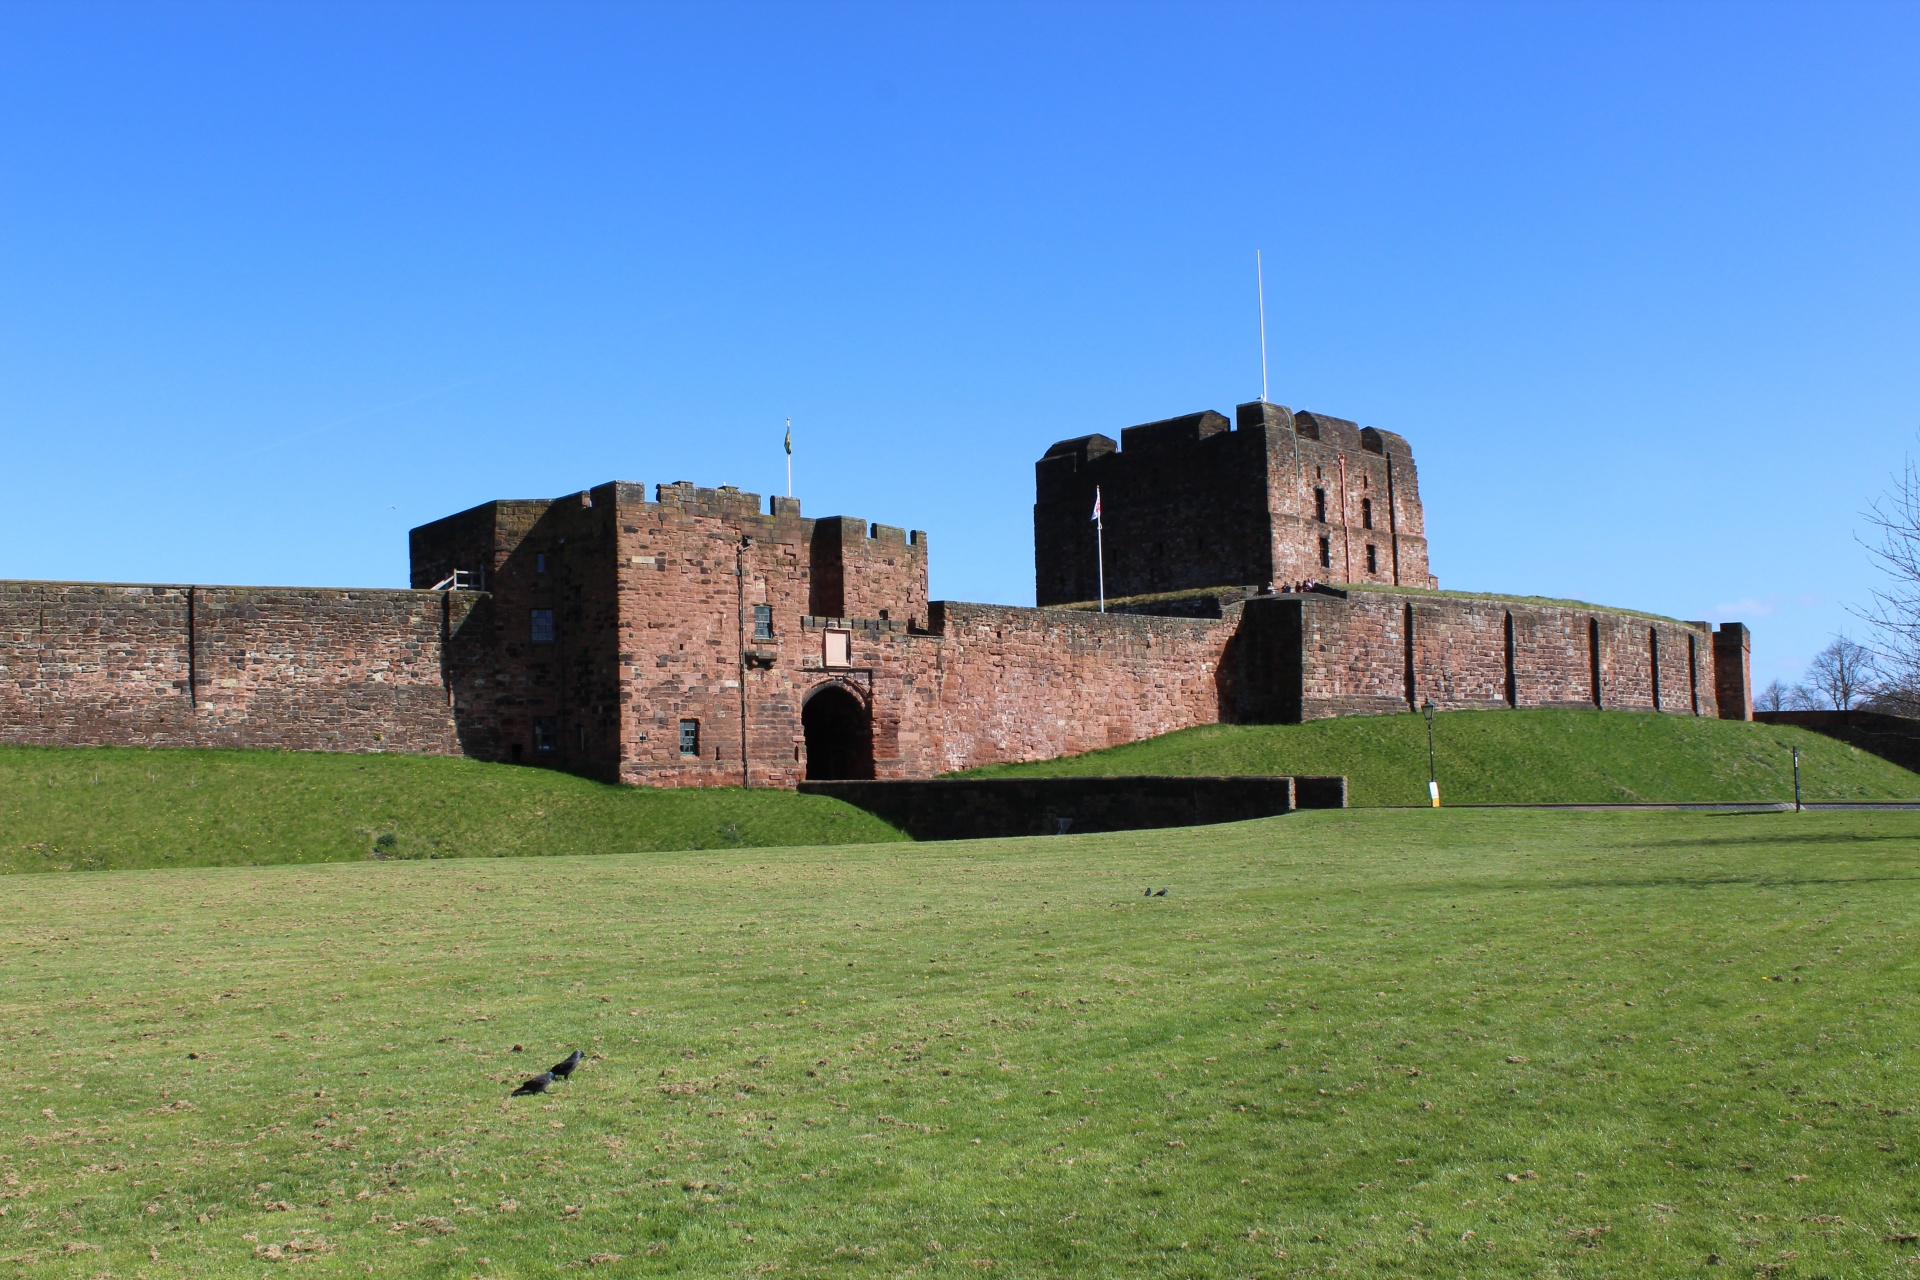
(1838, 676)
(1894, 613)
(1775, 697)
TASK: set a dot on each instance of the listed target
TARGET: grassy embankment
(110, 807)
(1514, 757)
(1373, 1043)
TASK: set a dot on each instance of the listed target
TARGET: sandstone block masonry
(1198, 501)
(189, 666)
(701, 637)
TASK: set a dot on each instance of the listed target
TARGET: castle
(697, 639)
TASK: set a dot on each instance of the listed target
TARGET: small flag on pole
(1100, 547)
(789, 437)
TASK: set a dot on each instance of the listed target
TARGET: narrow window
(1366, 513)
(689, 737)
(1513, 682)
(1653, 663)
(546, 735)
(540, 562)
(1406, 633)
(1593, 658)
(1373, 558)
(763, 622)
(1320, 505)
(541, 630)
(1326, 553)
(1693, 675)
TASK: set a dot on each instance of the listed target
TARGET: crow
(539, 1084)
(1161, 893)
(565, 1069)
(1147, 894)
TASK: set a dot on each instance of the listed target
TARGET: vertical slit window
(1653, 663)
(1366, 513)
(1693, 674)
(1320, 505)
(1326, 553)
(1373, 558)
(1593, 659)
(1513, 680)
(1406, 633)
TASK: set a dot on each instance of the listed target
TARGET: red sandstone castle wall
(1029, 684)
(1356, 656)
(1370, 492)
(306, 669)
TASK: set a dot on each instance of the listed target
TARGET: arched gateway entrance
(839, 734)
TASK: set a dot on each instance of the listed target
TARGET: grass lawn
(88, 808)
(1517, 757)
(1367, 1043)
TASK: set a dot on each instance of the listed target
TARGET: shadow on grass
(1661, 882)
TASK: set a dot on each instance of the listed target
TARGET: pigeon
(539, 1084)
(565, 1069)
(1160, 893)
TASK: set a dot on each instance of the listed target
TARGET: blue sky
(1638, 282)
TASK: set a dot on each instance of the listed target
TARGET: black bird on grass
(539, 1084)
(564, 1070)
(1160, 893)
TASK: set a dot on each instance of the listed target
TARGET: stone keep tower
(1198, 501)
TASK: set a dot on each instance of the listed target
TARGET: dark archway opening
(839, 736)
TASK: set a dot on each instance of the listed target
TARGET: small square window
(763, 622)
(541, 630)
(689, 737)
(546, 735)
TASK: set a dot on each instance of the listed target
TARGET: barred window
(1326, 553)
(1373, 558)
(763, 622)
(689, 737)
(541, 629)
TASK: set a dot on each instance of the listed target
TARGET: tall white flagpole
(1100, 547)
(1260, 282)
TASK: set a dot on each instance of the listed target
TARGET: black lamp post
(1433, 780)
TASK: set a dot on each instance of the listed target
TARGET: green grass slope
(1361, 1043)
(1516, 757)
(109, 807)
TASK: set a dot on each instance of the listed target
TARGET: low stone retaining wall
(1893, 738)
(983, 808)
